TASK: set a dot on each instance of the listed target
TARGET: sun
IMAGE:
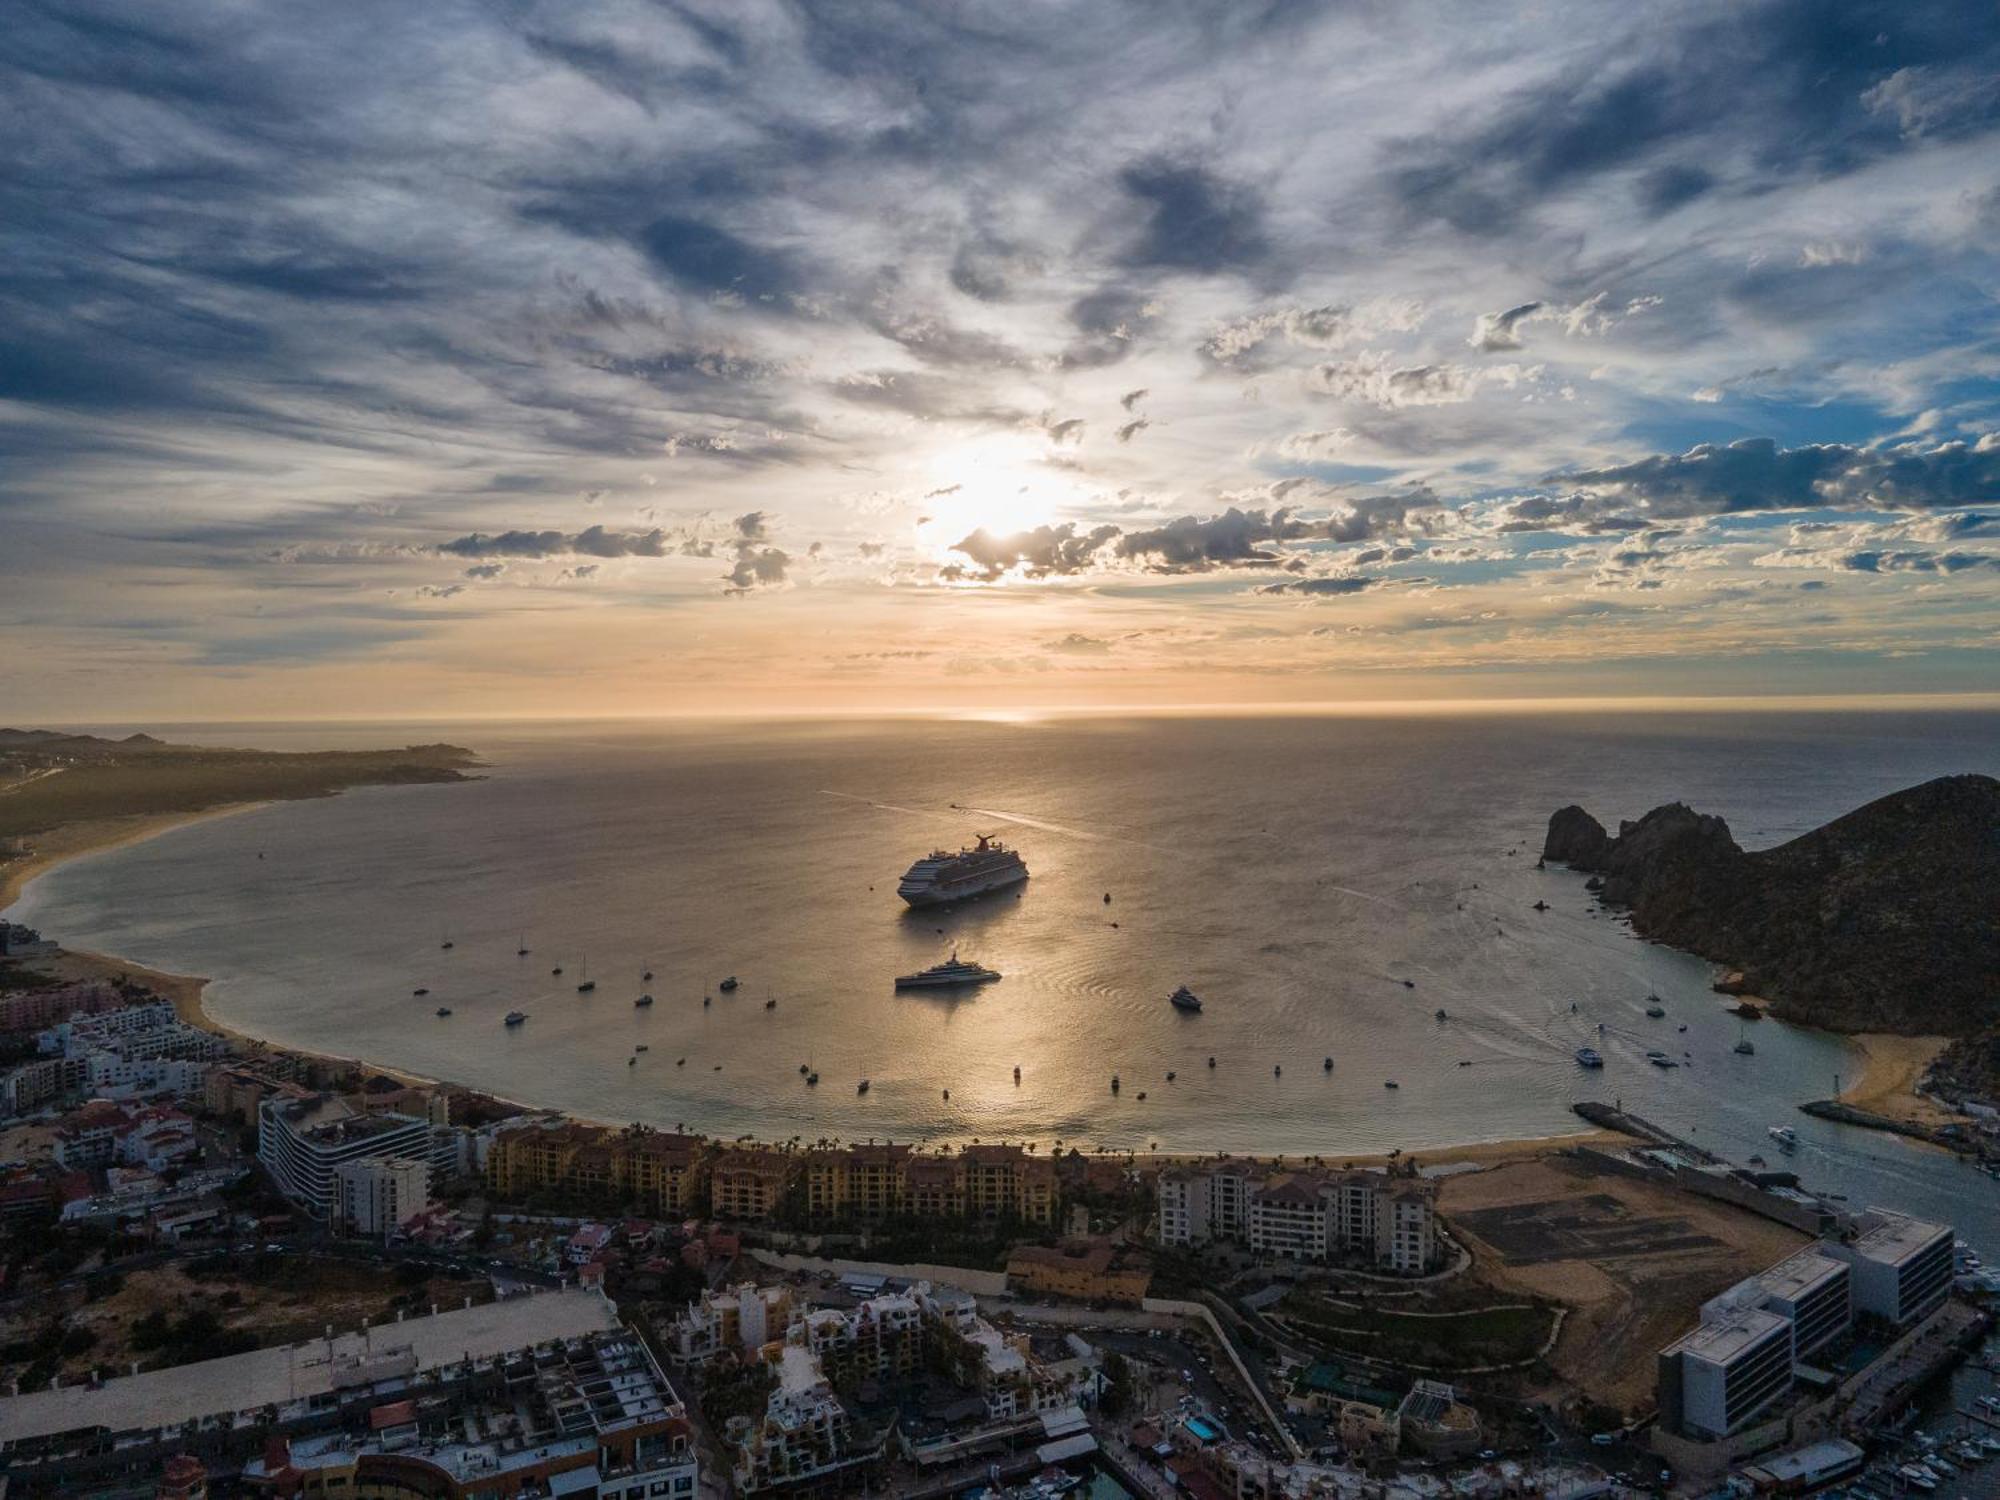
(998, 482)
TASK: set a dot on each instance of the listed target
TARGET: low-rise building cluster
(819, 1360)
(543, 1395)
(1383, 1218)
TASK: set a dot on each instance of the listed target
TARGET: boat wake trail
(1063, 828)
(915, 812)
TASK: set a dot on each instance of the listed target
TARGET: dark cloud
(1234, 539)
(1078, 644)
(594, 541)
(1331, 586)
(1132, 398)
(1044, 552)
(711, 259)
(1132, 429)
(757, 567)
(1195, 220)
(1756, 474)
(486, 570)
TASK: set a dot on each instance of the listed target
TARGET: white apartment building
(301, 1142)
(1732, 1371)
(1303, 1215)
(375, 1194)
(1902, 1267)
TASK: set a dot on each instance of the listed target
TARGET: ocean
(1327, 884)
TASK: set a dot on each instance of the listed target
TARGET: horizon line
(1324, 708)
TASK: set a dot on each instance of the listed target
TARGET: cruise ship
(954, 971)
(941, 876)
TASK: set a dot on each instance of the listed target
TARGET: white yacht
(954, 971)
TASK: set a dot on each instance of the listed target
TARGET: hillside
(1886, 919)
(50, 780)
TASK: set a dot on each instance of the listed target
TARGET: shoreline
(1890, 1065)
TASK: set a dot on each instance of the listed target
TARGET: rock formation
(1887, 919)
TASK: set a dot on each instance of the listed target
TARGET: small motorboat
(447, 945)
(947, 1094)
(631, 1062)
(862, 1087)
(1390, 1083)
(1589, 1057)
(804, 1069)
(1660, 1059)
(1142, 1096)
(420, 990)
(706, 1001)
(1541, 906)
(642, 1002)
(647, 977)
(1684, 1026)
(516, 1017)
(444, 1010)
(728, 984)
(1277, 1070)
(1171, 1075)
(680, 1062)
(1326, 1064)
(1114, 1083)
(1441, 1015)
(1785, 1136)
(1184, 999)
(556, 970)
(1017, 1072)
(1211, 1062)
(586, 987)
(812, 1080)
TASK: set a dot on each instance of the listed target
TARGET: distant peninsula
(64, 794)
(1884, 920)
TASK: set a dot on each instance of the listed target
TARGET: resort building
(660, 1172)
(1306, 1215)
(302, 1142)
(861, 1182)
(1902, 1267)
(749, 1184)
(375, 1194)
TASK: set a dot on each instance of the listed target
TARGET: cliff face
(1887, 919)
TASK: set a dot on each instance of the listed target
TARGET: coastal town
(234, 1269)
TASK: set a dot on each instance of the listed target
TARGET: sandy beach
(1891, 1069)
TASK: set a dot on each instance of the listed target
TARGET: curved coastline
(1888, 1067)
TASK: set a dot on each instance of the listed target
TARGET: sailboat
(589, 984)
(1743, 1043)
(521, 949)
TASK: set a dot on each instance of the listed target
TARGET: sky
(511, 359)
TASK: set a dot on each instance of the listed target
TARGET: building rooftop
(1893, 1238)
(1800, 1273)
(264, 1377)
(1723, 1340)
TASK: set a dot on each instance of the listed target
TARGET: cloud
(486, 570)
(1132, 398)
(1132, 429)
(1076, 644)
(440, 591)
(1756, 474)
(757, 567)
(1936, 99)
(1247, 341)
(1069, 430)
(1310, 447)
(1236, 538)
(594, 541)
(1495, 331)
(1195, 220)
(751, 527)
(1043, 552)
(1375, 378)
(1327, 586)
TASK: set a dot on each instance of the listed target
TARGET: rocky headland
(1884, 920)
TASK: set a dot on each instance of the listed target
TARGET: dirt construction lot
(1633, 1261)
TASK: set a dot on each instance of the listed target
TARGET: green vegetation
(730, 1388)
(1437, 1341)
